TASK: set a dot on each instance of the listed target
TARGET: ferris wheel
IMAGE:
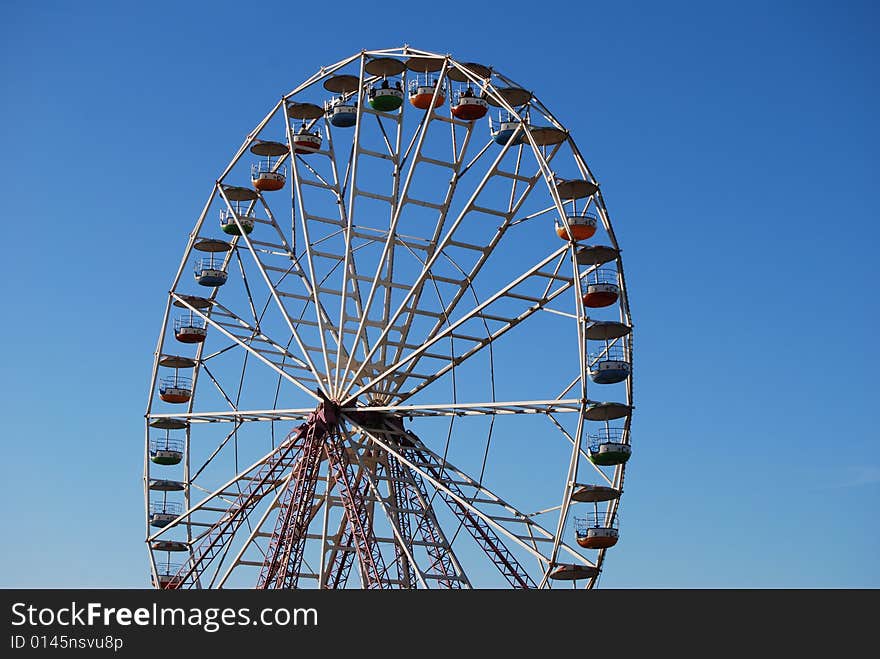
(398, 341)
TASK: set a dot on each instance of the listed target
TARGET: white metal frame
(369, 349)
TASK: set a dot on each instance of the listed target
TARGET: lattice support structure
(261, 483)
(288, 541)
(354, 497)
(443, 563)
(342, 560)
(483, 534)
(402, 506)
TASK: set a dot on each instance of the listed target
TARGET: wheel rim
(358, 341)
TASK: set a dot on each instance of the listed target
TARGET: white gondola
(162, 513)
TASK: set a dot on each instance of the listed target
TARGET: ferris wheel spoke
(256, 335)
(539, 299)
(390, 150)
(427, 247)
(386, 261)
(262, 478)
(244, 280)
(226, 492)
(246, 341)
(256, 531)
(216, 383)
(571, 385)
(508, 295)
(274, 292)
(506, 215)
(398, 201)
(230, 323)
(260, 251)
(486, 538)
(236, 416)
(505, 321)
(299, 321)
(220, 446)
(472, 500)
(316, 257)
(555, 405)
(349, 269)
(550, 405)
(327, 325)
(581, 452)
(410, 304)
(411, 493)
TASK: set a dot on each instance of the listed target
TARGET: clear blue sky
(737, 149)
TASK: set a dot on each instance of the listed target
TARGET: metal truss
(412, 258)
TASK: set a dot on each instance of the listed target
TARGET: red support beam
(402, 502)
(263, 481)
(354, 497)
(429, 530)
(281, 565)
(485, 536)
